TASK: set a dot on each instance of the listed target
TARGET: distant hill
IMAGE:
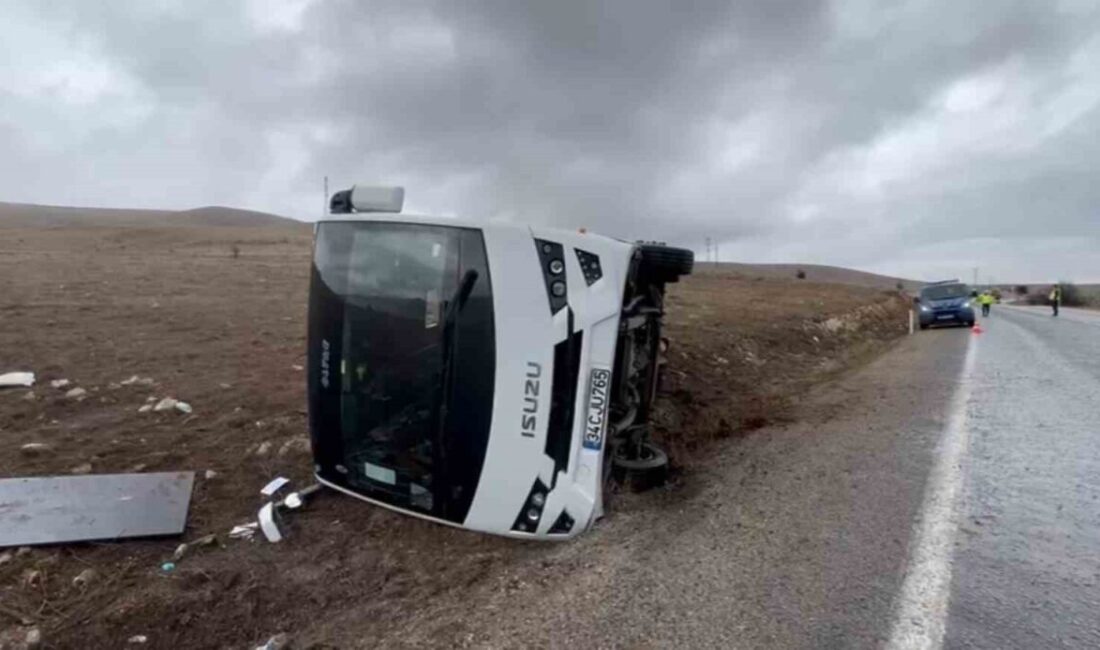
(27, 215)
(814, 273)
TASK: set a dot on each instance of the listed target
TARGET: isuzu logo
(531, 399)
(325, 355)
(599, 383)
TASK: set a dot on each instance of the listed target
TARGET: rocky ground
(215, 317)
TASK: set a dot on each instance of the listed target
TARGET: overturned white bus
(478, 374)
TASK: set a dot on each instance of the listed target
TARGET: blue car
(945, 303)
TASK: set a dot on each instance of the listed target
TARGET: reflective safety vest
(986, 299)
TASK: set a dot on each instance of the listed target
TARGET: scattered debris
(76, 393)
(83, 468)
(168, 567)
(263, 449)
(35, 448)
(299, 444)
(59, 383)
(55, 509)
(244, 531)
(210, 475)
(183, 407)
(206, 540)
(134, 379)
(5, 558)
(85, 578)
(137, 638)
(34, 637)
(22, 551)
(224, 386)
(297, 367)
(150, 399)
(269, 524)
(32, 578)
(145, 408)
(17, 380)
(274, 485)
(30, 396)
(181, 551)
(166, 404)
(293, 501)
(139, 468)
(277, 642)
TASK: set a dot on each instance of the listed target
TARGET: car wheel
(923, 326)
(665, 264)
(644, 467)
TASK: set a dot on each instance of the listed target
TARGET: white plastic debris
(274, 485)
(76, 393)
(244, 531)
(268, 524)
(166, 404)
(17, 380)
(293, 501)
(183, 407)
(59, 383)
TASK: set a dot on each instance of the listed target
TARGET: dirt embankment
(225, 332)
(743, 350)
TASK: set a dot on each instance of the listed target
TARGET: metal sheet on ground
(55, 509)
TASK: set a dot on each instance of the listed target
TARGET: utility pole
(324, 200)
(708, 249)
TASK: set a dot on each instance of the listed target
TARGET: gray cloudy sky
(916, 138)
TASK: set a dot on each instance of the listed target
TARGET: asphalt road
(945, 495)
(1026, 570)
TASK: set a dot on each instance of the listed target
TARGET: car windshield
(944, 291)
(379, 345)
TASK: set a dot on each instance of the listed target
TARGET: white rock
(132, 380)
(30, 396)
(210, 474)
(137, 638)
(35, 448)
(84, 578)
(145, 408)
(5, 558)
(181, 551)
(150, 399)
(34, 637)
(59, 383)
(183, 407)
(166, 404)
(263, 449)
(299, 444)
(76, 393)
(277, 642)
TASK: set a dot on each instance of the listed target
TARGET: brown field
(99, 304)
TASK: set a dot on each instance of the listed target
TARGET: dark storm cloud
(851, 132)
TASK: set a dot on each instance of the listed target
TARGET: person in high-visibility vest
(1055, 298)
(986, 299)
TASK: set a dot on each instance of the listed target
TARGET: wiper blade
(459, 297)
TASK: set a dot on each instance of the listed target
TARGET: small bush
(1071, 295)
(899, 286)
(1020, 290)
(235, 250)
(800, 274)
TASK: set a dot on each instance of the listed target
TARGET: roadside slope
(226, 333)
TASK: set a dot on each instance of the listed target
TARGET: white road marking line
(921, 609)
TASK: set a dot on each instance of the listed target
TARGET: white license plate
(599, 391)
(946, 317)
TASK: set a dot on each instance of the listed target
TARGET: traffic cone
(977, 329)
